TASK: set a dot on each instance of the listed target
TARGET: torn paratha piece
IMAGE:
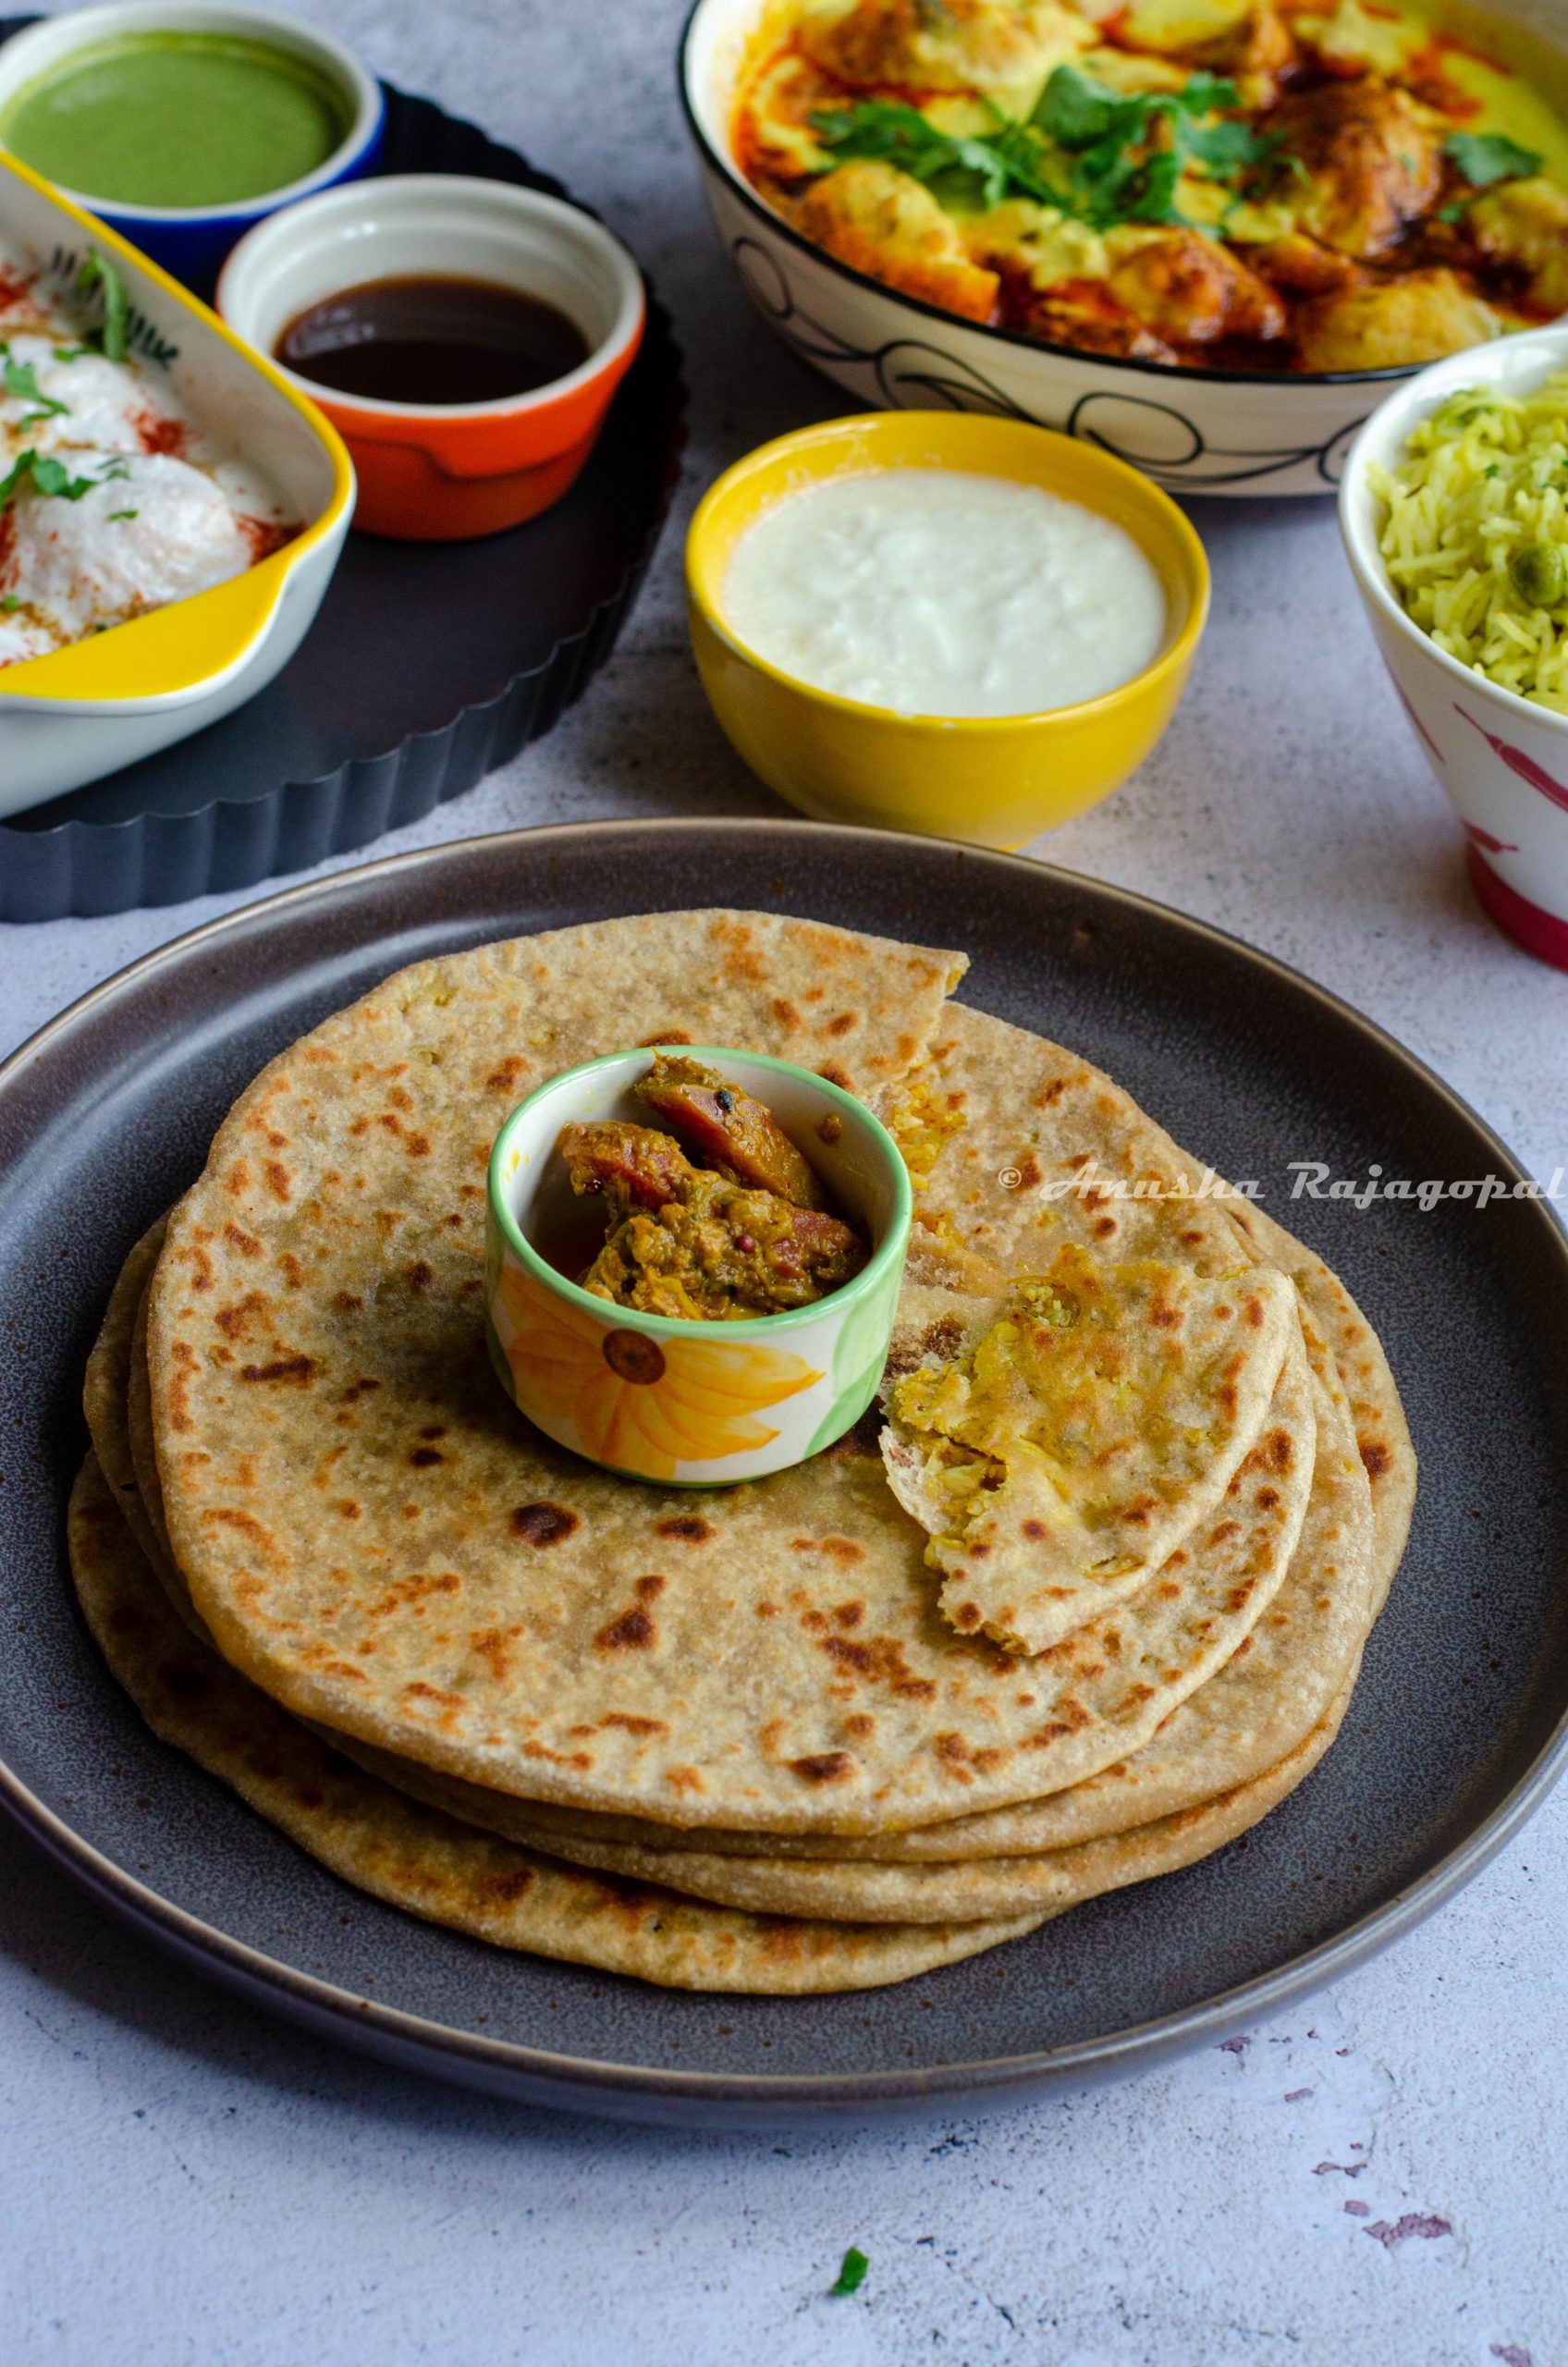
(1062, 1457)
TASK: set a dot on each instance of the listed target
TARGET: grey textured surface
(187, 2182)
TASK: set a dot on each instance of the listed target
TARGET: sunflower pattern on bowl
(654, 1408)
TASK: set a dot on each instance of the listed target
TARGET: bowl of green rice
(1454, 511)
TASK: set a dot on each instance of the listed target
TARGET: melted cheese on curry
(1309, 185)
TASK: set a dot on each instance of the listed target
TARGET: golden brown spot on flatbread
(418, 1145)
(1266, 1499)
(1376, 1459)
(494, 1647)
(881, 1659)
(860, 1726)
(785, 1013)
(543, 1524)
(850, 1614)
(842, 1025)
(293, 1273)
(409, 1591)
(419, 1691)
(245, 1243)
(583, 1759)
(632, 1725)
(665, 1035)
(422, 1457)
(504, 1074)
(767, 1610)
(1226, 1530)
(1033, 1529)
(509, 1888)
(838, 1549)
(348, 1508)
(684, 1779)
(824, 1767)
(235, 1321)
(633, 1631)
(347, 1302)
(967, 1616)
(290, 1369)
(245, 1525)
(357, 1389)
(688, 1526)
(420, 1276)
(834, 1074)
(277, 1179)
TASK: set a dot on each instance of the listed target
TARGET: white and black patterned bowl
(1192, 430)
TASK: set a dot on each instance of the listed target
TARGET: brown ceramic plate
(1457, 1727)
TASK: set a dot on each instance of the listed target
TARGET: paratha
(1093, 1424)
(374, 1537)
(904, 1894)
(1276, 1688)
(417, 1858)
(1017, 1145)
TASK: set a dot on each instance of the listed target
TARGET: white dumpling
(108, 408)
(21, 639)
(156, 530)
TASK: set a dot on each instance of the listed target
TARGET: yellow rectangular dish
(87, 709)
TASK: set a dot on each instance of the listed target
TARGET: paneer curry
(733, 1224)
(1281, 185)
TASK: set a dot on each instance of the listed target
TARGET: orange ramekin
(446, 472)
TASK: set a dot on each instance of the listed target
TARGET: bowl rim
(360, 85)
(275, 571)
(502, 198)
(1168, 374)
(1176, 655)
(1402, 409)
(885, 1258)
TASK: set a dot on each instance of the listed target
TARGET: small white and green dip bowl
(692, 1405)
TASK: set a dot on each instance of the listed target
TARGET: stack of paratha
(1082, 1601)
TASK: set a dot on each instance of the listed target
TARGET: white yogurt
(939, 592)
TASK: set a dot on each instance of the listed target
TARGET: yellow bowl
(994, 780)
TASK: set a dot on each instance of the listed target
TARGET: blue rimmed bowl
(191, 241)
(653, 1397)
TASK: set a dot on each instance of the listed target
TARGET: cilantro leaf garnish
(48, 475)
(110, 336)
(1484, 157)
(11, 603)
(20, 379)
(123, 513)
(1099, 154)
(851, 2276)
(890, 133)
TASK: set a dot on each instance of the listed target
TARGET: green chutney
(180, 119)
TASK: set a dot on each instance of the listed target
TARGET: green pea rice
(1476, 538)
